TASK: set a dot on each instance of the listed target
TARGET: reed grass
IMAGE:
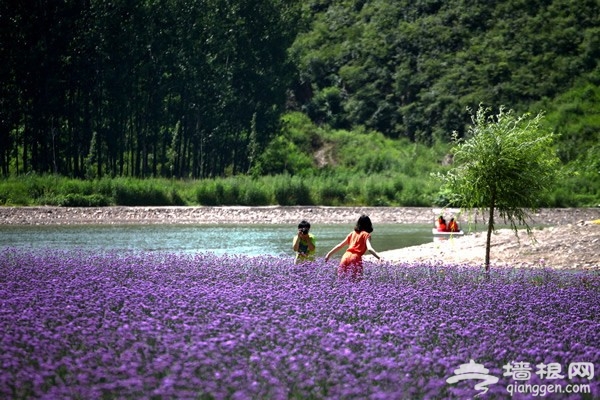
(340, 190)
(345, 188)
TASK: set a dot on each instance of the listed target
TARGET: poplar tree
(504, 164)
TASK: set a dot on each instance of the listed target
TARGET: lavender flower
(155, 325)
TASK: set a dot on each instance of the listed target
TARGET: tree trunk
(488, 243)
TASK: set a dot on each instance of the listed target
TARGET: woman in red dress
(358, 242)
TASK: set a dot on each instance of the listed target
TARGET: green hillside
(335, 94)
(409, 68)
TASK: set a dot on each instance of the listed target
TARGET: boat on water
(446, 234)
(443, 230)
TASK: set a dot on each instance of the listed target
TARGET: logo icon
(473, 370)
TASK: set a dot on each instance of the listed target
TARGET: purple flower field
(80, 325)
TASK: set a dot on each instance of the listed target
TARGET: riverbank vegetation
(337, 97)
(304, 165)
(339, 190)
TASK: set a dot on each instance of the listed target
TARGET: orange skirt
(351, 266)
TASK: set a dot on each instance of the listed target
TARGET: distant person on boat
(441, 224)
(453, 226)
(358, 242)
(304, 243)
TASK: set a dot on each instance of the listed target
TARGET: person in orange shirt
(453, 225)
(441, 225)
(358, 242)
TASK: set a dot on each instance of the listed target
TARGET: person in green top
(304, 243)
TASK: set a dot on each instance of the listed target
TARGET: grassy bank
(348, 189)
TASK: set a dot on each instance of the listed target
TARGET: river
(250, 239)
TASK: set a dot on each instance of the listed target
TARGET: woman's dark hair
(364, 224)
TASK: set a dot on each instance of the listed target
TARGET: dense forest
(141, 88)
(202, 88)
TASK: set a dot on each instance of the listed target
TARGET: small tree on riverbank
(506, 163)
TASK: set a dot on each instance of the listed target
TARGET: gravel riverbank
(260, 215)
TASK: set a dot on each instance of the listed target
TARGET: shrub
(14, 193)
(129, 192)
(330, 192)
(82, 200)
(255, 195)
(375, 193)
(291, 191)
(206, 193)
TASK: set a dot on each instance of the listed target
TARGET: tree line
(178, 88)
(197, 88)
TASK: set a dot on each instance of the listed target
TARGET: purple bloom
(137, 325)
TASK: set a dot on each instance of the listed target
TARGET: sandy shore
(569, 240)
(559, 247)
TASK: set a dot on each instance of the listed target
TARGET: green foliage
(376, 192)
(132, 192)
(580, 185)
(301, 131)
(14, 192)
(409, 69)
(282, 156)
(217, 192)
(81, 200)
(507, 163)
(370, 88)
(142, 88)
(291, 151)
(331, 191)
(575, 118)
(61, 191)
(345, 188)
(235, 190)
(256, 194)
(350, 168)
(417, 193)
(373, 153)
(290, 191)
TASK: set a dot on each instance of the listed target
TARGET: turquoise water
(219, 239)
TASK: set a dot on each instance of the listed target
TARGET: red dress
(351, 264)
